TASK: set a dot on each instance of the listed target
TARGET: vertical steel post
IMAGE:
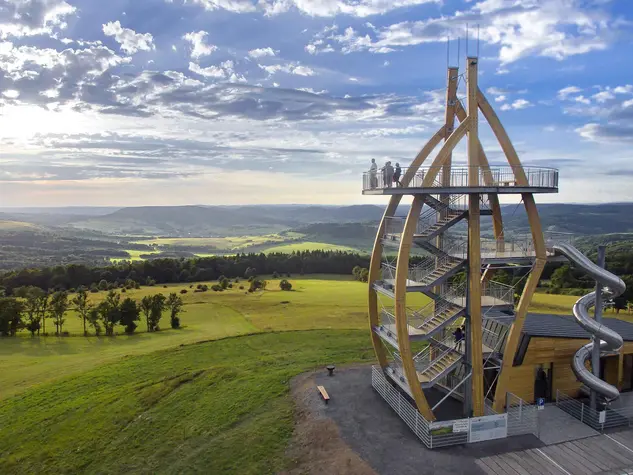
(595, 355)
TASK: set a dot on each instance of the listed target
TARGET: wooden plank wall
(558, 351)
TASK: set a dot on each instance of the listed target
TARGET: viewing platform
(462, 180)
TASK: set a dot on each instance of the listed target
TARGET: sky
(170, 102)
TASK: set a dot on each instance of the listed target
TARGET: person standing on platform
(387, 172)
(459, 338)
(397, 175)
(373, 169)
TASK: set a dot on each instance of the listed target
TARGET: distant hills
(222, 220)
(185, 221)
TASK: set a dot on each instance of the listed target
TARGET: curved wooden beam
(512, 341)
(376, 255)
(422, 156)
(502, 137)
(402, 325)
(445, 152)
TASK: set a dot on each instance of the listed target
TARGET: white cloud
(628, 103)
(21, 18)
(603, 96)
(330, 8)
(495, 91)
(225, 70)
(210, 71)
(260, 52)
(500, 98)
(236, 6)
(290, 68)
(628, 89)
(516, 105)
(582, 99)
(198, 46)
(564, 93)
(551, 28)
(130, 41)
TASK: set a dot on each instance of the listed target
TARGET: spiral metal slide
(610, 341)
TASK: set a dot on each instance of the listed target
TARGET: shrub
(137, 286)
(257, 284)
(204, 287)
(164, 286)
(230, 286)
(191, 286)
(288, 274)
(237, 281)
(275, 275)
(103, 284)
(241, 287)
(251, 279)
(285, 285)
(217, 288)
(65, 333)
(94, 290)
(199, 286)
(197, 290)
(183, 291)
(123, 290)
(150, 282)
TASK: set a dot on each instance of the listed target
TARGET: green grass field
(211, 397)
(229, 243)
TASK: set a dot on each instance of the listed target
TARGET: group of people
(390, 174)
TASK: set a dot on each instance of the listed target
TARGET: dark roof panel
(565, 326)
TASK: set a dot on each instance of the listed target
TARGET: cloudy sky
(129, 102)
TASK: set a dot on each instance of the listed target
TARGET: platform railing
(498, 291)
(462, 177)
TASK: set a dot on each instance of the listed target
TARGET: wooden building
(548, 342)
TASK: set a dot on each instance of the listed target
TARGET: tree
(130, 314)
(42, 310)
(257, 284)
(156, 313)
(103, 284)
(146, 308)
(10, 316)
(82, 306)
(94, 317)
(174, 304)
(285, 285)
(57, 309)
(32, 309)
(110, 312)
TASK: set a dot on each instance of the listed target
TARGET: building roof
(565, 326)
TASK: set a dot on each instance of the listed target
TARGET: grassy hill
(212, 397)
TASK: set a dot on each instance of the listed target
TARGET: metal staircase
(437, 360)
(440, 361)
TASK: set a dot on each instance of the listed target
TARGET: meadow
(212, 397)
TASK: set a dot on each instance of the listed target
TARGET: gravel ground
(373, 431)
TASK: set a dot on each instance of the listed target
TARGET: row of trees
(162, 271)
(32, 307)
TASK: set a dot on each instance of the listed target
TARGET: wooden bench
(324, 394)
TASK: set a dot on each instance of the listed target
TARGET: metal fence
(598, 420)
(495, 176)
(522, 417)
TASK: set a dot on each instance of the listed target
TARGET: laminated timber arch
(478, 164)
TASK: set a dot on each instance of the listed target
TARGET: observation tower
(437, 250)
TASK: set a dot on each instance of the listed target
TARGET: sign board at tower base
(488, 428)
